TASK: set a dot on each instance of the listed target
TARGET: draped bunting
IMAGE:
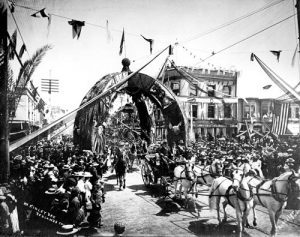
(281, 83)
(42, 13)
(267, 87)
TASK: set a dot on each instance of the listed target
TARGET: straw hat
(51, 191)
(67, 230)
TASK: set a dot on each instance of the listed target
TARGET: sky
(80, 63)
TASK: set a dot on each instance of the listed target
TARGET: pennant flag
(76, 27)
(40, 13)
(122, 42)
(22, 50)
(170, 50)
(108, 34)
(12, 5)
(294, 56)
(276, 53)
(151, 41)
(12, 45)
(280, 118)
(267, 87)
(252, 57)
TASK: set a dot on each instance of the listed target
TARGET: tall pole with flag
(4, 143)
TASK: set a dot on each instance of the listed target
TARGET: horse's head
(237, 176)
(217, 168)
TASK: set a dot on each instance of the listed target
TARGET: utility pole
(4, 143)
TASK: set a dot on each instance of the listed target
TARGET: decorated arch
(139, 87)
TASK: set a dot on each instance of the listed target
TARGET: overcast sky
(79, 64)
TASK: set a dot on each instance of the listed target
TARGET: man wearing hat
(289, 165)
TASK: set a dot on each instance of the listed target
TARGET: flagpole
(4, 142)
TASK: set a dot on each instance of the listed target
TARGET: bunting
(122, 43)
(108, 33)
(276, 53)
(22, 50)
(12, 46)
(76, 27)
(266, 87)
(12, 5)
(42, 14)
(151, 41)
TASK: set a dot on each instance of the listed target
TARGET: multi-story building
(258, 114)
(27, 113)
(208, 99)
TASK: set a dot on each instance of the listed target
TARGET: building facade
(257, 114)
(208, 99)
(28, 114)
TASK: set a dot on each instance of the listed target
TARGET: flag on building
(122, 43)
(280, 118)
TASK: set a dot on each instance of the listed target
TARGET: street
(144, 213)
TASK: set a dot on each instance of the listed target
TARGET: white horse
(273, 194)
(228, 189)
(206, 175)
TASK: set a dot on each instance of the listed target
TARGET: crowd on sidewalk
(63, 184)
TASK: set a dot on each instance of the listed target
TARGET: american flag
(280, 118)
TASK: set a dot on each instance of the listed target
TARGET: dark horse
(121, 168)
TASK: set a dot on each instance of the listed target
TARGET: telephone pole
(4, 143)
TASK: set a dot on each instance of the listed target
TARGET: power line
(232, 21)
(240, 41)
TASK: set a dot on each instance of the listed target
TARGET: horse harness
(274, 193)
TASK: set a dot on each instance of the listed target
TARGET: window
(227, 111)
(226, 91)
(175, 86)
(194, 111)
(194, 90)
(211, 111)
(265, 109)
(297, 113)
(211, 90)
(252, 111)
(246, 111)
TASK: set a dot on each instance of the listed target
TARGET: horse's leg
(224, 204)
(239, 219)
(254, 215)
(218, 209)
(245, 217)
(124, 181)
(273, 222)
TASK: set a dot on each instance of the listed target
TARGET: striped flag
(280, 118)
